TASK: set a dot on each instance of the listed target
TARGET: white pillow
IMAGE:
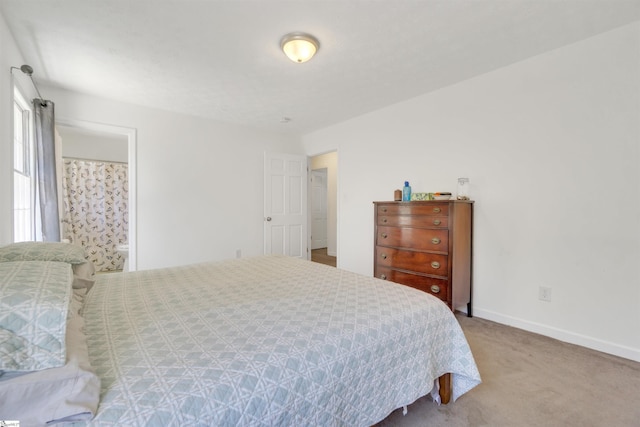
(83, 275)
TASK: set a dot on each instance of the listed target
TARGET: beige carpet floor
(532, 380)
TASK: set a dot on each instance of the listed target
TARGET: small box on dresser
(426, 245)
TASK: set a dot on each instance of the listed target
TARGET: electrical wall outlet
(544, 293)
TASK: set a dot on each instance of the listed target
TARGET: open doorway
(99, 170)
(323, 208)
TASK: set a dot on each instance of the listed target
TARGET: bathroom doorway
(98, 192)
(323, 208)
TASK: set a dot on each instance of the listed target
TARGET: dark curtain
(46, 169)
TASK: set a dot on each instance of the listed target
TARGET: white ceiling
(221, 59)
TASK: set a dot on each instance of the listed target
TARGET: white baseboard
(560, 334)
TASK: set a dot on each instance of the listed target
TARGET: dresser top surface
(422, 202)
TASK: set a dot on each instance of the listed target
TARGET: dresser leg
(469, 310)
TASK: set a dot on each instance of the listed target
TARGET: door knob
(268, 218)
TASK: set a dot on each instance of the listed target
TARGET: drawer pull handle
(384, 235)
(437, 210)
(435, 289)
(437, 222)
(435, 264)
(435, 241)
(384, 256)
(383, 276)
(384, 220)
(384, 209)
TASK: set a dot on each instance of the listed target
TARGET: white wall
(551, 147)
(85, 145)
(199, 182)
(330, 162)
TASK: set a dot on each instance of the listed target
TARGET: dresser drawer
(436, 287)
(413, 221)
(422, 262)
(414, 238)
(428, 208)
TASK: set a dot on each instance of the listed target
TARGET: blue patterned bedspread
(266, 341)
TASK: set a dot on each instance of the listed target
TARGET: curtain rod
(94, 160)
(28, 70)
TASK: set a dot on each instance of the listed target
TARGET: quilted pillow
(43, 251)
(34, 302)
(49, 396)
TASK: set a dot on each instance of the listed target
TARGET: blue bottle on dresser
(406, 192)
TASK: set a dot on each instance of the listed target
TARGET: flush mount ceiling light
(299, 47)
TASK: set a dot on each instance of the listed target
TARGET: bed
(257, 341)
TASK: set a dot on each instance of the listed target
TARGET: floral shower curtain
(96, 213)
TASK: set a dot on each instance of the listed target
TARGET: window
(23, 179)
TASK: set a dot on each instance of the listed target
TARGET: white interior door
(318, 208)
(285, 205)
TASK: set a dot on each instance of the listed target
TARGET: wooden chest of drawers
(426, 245)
